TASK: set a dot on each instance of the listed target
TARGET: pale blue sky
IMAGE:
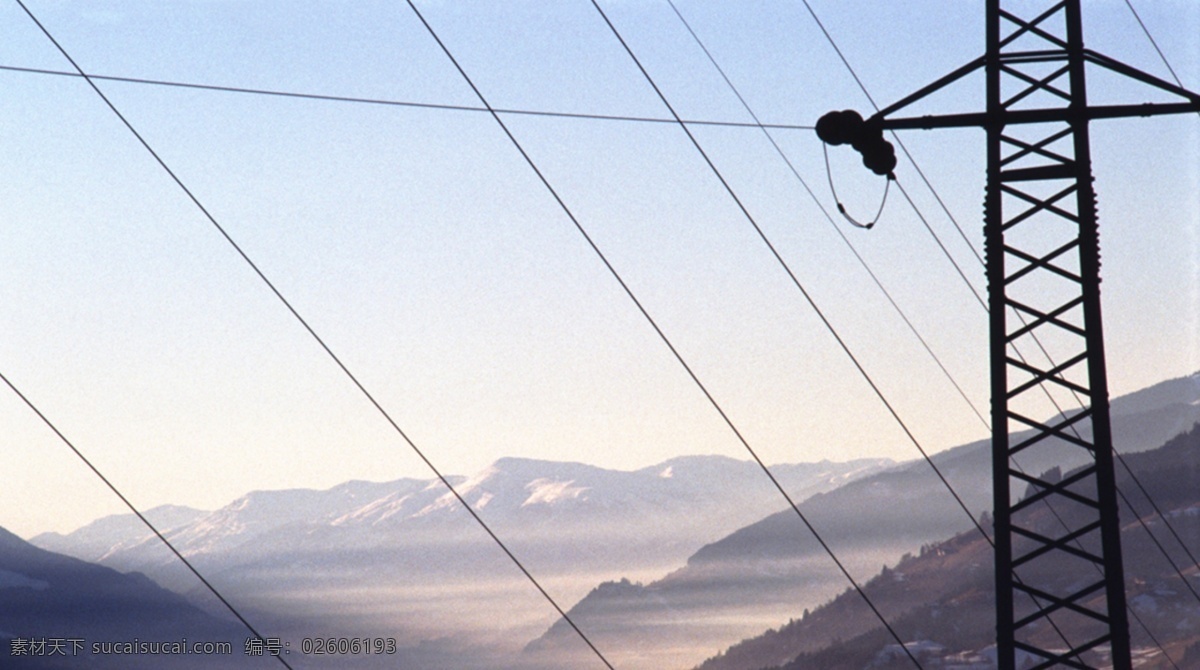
(424, 250)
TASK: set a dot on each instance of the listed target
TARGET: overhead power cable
(391, 103)
(642, 309)
(1134, 477)
(945, 252)
(749, 110)
(1154, 43)
(887, 186)
(829, 326)
(766, 130)
(1166, 521)
(142, 517)
(920, 215)
(1161, 548)
(795, 280)
(321, 342)
(863, 88)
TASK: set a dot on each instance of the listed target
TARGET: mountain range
(770, 571)
(403, 558)
(662, 567)
(941, 601)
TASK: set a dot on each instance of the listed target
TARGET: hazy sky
(419, 244)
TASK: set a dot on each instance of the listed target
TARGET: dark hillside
(943, 597)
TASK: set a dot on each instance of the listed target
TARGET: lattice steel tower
(1060, 592)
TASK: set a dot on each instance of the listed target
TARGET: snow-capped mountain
(403, 559)
(690, 497)
(104, 535)
(406, 556)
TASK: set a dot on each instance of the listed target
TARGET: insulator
(879, 156)
(839, 127)
(866, 140)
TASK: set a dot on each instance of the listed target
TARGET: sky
(427, 254)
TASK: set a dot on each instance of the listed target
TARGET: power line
(133, 508)
(732, 87)
(945, 252)
(637, 303)
(749, 217)
(1158, 544)
(1121, 458)
(80, 73)
(878, 283)
(863, 88)
(1154, 43)
(314, 335)
(393, 103)
(750, 111)
(837, 229)
(1154, 505)
(796, 282)
(396, 103)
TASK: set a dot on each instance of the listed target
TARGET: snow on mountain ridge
(524, 497)
(397, 504)
(261, 512)
(516, 483)
(382, 509)
(95, 540)
(545, 491)
(448, 500)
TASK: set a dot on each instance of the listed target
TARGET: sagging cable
(842, 208)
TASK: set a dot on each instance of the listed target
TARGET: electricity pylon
(1043, 268)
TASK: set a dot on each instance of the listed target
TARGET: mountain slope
(771, 570)
(404, 557)
(943, 597)
(95, 539)
(48, 595)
